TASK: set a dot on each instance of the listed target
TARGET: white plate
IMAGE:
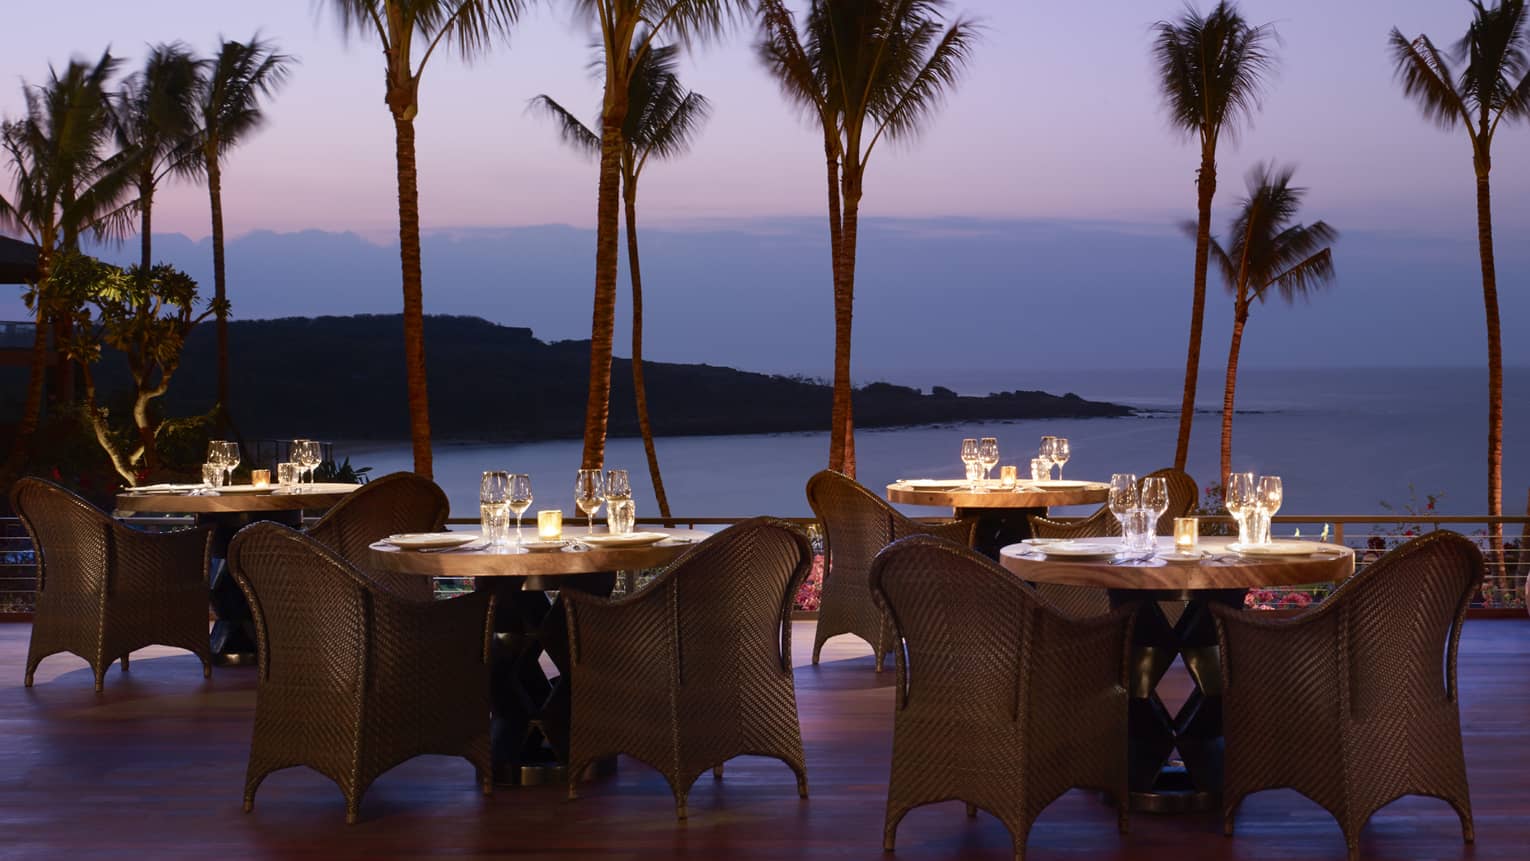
(631, 539)
(431, 540)
(1060, 484)
(1042, 542)
(245, 488)
(1186, 557)
(931, 484)
(545, 546)
(1280, 548)
(1079, 550)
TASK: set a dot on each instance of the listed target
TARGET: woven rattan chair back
(1001, 701)
(104, 589)
(857, 524)
(1363, 685)
(400, 502)
(695, 668)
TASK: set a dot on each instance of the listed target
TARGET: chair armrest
(1077, 669)
(142, 560)
(1266, 652)
(959, 531)
(448, 630)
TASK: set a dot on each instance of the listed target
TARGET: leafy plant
(341, 473)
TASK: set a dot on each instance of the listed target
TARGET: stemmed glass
(1059, 453)
(972, 459)
(1123, 496)
(1238, 496)
(228, 456)
(493, 506)
(1155, 497)
(520, 500)
(1267, 498)
(307, 454)
(988, 455)
(588, 495)
(212, 470)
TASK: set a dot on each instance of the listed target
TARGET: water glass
(1041, 469)
(1140, 528)
(212, 478)
(494, 507)
(287, 475)
(971, 458)
(621, 511)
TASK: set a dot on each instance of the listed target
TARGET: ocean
(1345, 441)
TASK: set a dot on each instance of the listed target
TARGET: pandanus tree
(864, 71)
(1490, 86)
(629, 30)
(155, 115)
(1267, 250)
(229, 97)
(1212, 71)
(663, 119)
(65, 184)
(400, 26)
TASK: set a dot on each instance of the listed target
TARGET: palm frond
(233, 85)
(1212, 69)
(573, 132)
(1426, 78)
(924, 93)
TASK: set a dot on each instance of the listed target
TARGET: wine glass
(493, 502)
(1267, 498)
(1238, 496)
(588, 495)
(295, 454)
(520, 500)
(230, 460)
(1123, 496)
(1155, 497)
(309, 455)
(1059, 454)
(988, 454)
(970, 458)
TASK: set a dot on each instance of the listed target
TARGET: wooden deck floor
(152, 769)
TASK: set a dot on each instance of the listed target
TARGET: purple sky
(1059, 119)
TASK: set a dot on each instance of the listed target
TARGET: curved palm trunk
(837, 412)
(220, 282)
(145, 225)
(639, 388)
(603, 323)
(1495, 362)
(414, 302)
(844, 312)
(1233, 349)
(1206, 185)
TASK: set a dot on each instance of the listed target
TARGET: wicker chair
(857, 524)
(1001, 702)
(1353, 703)
(401, 502)
(696, 668)
(1083, 601)
(104, 589)
(353, 679)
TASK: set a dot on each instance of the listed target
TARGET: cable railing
(1369, 535)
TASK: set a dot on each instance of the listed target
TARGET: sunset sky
(1058, 122)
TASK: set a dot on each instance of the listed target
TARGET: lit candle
(550, 525)
(1007, 477)
(260, 477)
(1187, 533)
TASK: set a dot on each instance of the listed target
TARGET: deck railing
(1369, 535)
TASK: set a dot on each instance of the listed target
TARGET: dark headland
(343, 377)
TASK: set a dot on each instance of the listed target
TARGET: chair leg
(971, 810)
(717, 772)
(100, 678)
(124, 663)
(680, 812)
(1468, 830)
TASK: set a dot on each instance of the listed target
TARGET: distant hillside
(343, 377)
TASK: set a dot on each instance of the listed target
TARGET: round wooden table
(1159, 782)
(1003, 516)
(233, 631)
(530, 718)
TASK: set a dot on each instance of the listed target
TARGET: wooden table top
(322, 495)
(516, 562)
(1025, 495)
(1222, 570)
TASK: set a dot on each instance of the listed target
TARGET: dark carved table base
(529, 728)
(1159, 781)
(999, 527)
(233, 630)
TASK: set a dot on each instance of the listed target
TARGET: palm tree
(64, 185)
(1267, 250)
(863, 70)
(470, 26)
(155, 113)
(1493, 85)
(229, 95)
(663, 118)
(628, 31)
(1211, 74)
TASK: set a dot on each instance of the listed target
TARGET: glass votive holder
(550, 524)
(260, 478)
(1187, 533)
(1041, 469)
(1007, 477)
(286, 474)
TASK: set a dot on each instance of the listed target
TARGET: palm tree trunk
(220, 283)
(844, 308)
(639, 388)
(1206, 188)
(837, 411)
(31, 412)
(414, 302)
(603, 320)
(1495, 362)
(145, 225)
(1233, 349)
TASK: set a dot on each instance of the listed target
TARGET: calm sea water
(1345, 441)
